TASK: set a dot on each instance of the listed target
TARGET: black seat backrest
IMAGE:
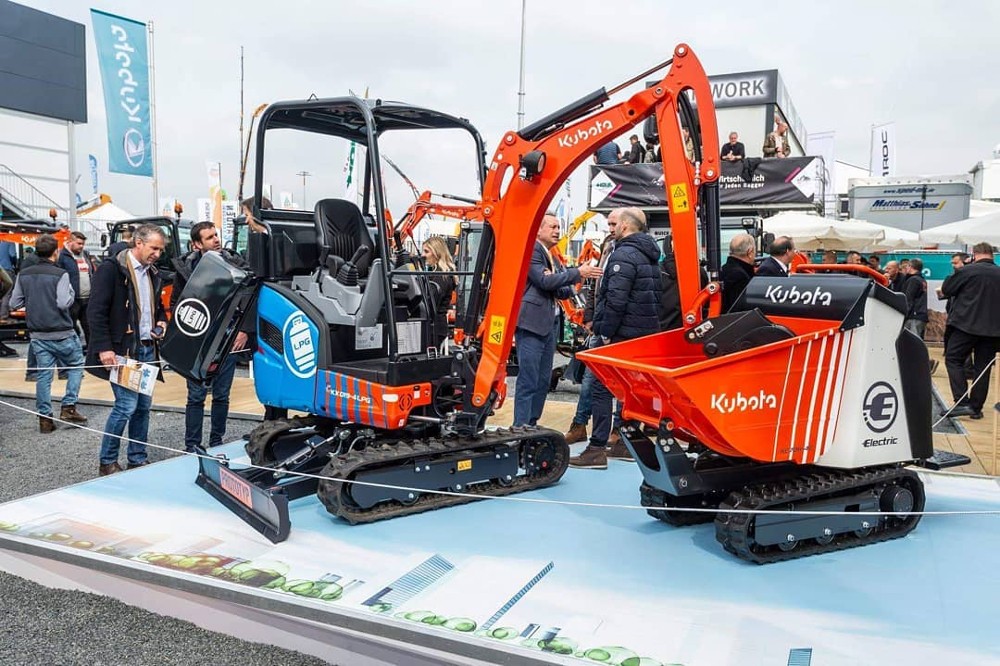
(340, 231)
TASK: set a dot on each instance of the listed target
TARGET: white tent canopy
(972, 230)
(895, 239)
(812, 232)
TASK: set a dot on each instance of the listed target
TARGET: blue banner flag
(124, 62)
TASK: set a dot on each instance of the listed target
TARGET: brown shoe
(614, 439)
(69, 413)
(133, 465)
(618, 451)
(113, 468)
(592, 458)
(46, 425)
(577, 433)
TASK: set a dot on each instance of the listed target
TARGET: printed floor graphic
(572, 583)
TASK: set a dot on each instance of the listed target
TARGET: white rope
(61, 368)
(968, 391)
(528, 500)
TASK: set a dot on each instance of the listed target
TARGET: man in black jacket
(205, 238)
(628, 306)
(782, 252)
(974, 318)
(915, 290)
(45, 292)
(738, 269)
(80, 267)
(127, 319)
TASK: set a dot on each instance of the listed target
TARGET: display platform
(506, 582)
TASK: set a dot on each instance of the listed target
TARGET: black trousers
(78, 311)
(957, 349)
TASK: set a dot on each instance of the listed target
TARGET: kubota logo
(724, 404)
(795, 296)
(570, 139)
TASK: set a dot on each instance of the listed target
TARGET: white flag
(883, 155)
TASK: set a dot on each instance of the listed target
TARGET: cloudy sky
(930, 67)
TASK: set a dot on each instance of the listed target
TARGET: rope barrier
(511, 498)
(967, 393)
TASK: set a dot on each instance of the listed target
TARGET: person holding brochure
(127, 320)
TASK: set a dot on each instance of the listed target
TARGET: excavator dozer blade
(263, 507)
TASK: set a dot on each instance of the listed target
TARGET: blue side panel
(286, 377)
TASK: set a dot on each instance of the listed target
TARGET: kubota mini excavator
(752, 408)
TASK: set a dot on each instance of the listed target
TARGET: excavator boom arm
(537, 166)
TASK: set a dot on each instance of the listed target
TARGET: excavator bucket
(807, 370)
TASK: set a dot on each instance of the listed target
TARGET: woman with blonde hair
(438, 258)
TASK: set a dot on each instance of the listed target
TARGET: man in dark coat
(738, 269)
(127, 319)
(80, 267)
(205, 238)
(915, 290)
(782, 251)
(628, 307)
(536, 333)
(974, 318)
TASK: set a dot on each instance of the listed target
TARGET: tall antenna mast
(240, 160)
(520, 89)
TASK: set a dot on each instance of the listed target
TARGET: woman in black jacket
(438, 258)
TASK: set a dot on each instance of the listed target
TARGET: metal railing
(24, 199)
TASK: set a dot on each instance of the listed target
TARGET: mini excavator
(751, 409)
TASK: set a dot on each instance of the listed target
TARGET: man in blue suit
(538, 322)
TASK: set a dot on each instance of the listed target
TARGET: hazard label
(497, 326)
(464, 465)
(679, 198)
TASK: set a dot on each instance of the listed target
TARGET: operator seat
(340, 231)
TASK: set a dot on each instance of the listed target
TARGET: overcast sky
(930, 67)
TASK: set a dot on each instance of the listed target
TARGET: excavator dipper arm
(530, 166)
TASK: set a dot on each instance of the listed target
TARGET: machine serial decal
(780, 294)
(723, 404)
(192, 317)
(300, 347)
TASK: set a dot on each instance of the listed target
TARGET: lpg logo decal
(880, 407)
(300, 346)
(192, 317)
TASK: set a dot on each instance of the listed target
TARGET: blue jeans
(534, 373)
(194, 416)
(130, 409)
(65, 353)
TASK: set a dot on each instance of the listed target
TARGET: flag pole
(520, 89)
(152, 116)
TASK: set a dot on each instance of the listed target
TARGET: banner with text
(883, 157)
(748, 182)
(122, 57)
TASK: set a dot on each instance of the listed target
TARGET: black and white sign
(192, 317)
(880, 407)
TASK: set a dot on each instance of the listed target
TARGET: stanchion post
(996, 412)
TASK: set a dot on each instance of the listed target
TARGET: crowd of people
(85, 315)
(775, 145)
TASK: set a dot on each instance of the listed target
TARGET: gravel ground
(48, 626)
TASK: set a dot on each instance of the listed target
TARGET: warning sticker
(679, 198)
(497, 326)
(464, 465)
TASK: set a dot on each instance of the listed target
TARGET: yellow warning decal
(464, 465)
(497, 326)
(679, 198)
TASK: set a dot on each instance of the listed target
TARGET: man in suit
(538, 321)
(782, 251)
(738, 269)
(974, 316)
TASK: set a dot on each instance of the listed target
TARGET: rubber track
(335, 495)
(653, 497)
(733, 530)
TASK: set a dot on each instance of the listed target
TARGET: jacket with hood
(629, 296)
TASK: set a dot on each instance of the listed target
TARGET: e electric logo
(880, 407)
